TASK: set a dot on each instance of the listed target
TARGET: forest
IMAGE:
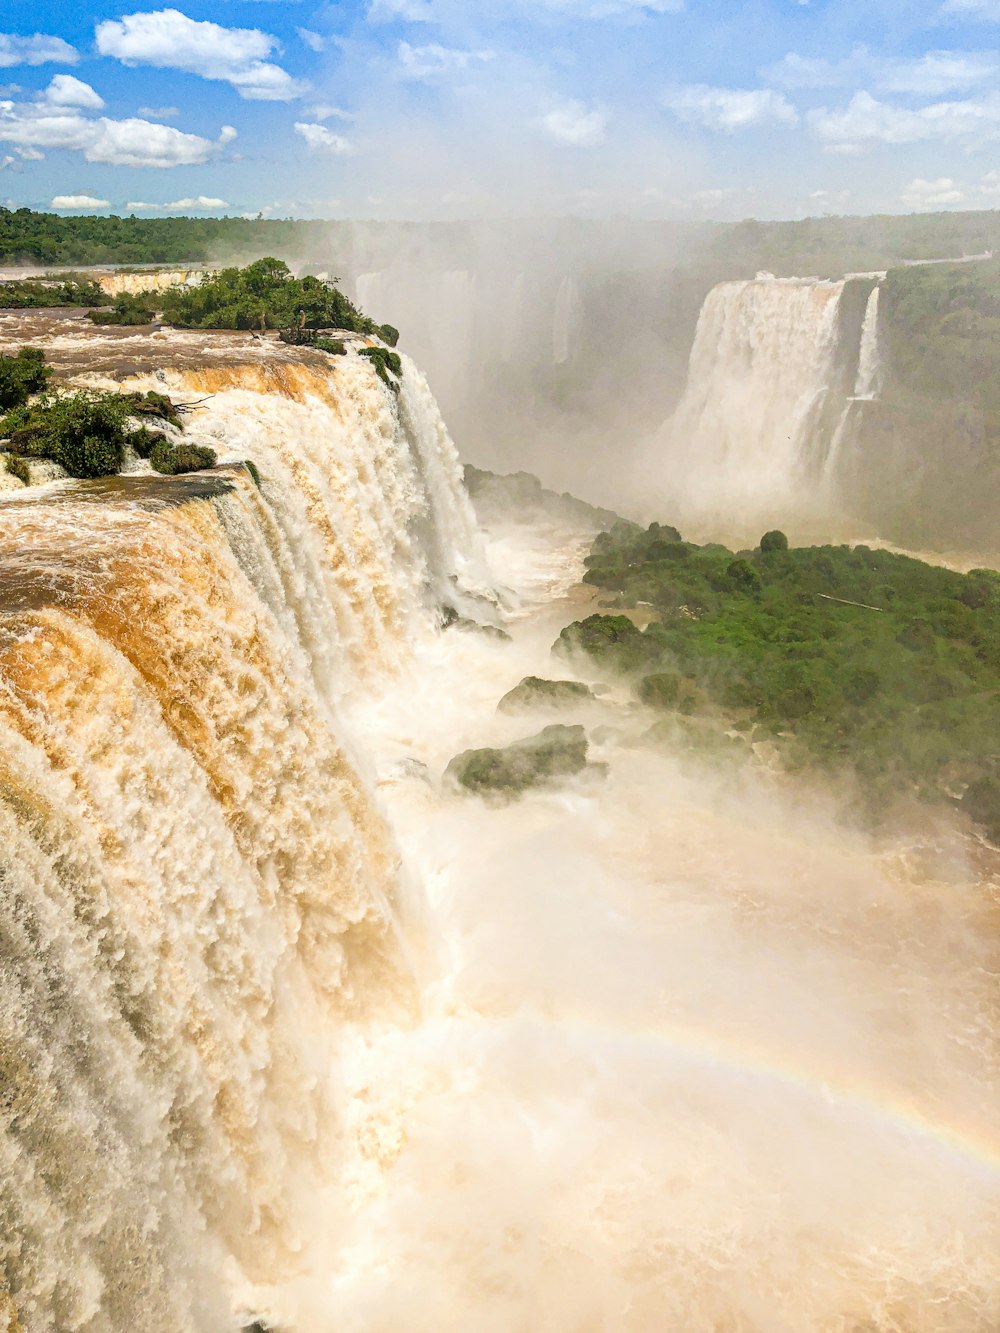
(844, 658)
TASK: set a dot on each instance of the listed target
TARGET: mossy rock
(556, 751)
(535, 692)
(611, 640)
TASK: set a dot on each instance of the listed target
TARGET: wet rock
(556, 751)
(535, 692)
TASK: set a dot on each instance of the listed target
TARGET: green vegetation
(128, 309)
(334, 346)
(22, 375)
(35, 294)
(264, 295)
(556, 751)
(84, 432)
(843, 657)
(172, 459)
(384, 362)
(534, 692)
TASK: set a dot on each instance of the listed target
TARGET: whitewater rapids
(290, 1031)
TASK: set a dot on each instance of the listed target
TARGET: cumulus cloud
(322, 140)
(575, 124)
(36, 50)
(932, 194)
(78, 201)
(929, 75)
(200, 202)
(727, 110)
(866, 122)
(132, 142)
(159, 112)
(168, 39)
(64, 90)
(429, 62)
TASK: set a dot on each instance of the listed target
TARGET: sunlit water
(691, 1054)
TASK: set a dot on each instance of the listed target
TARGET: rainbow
(895, 1110)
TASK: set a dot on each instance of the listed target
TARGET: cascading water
(870, 354)
(759, 382)
(672, 1051)
(196, 880)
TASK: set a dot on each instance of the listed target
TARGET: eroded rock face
(536, 692)
(556, 751)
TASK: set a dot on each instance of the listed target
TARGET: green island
(841, 657)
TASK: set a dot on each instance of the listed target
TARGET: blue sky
(444, 108)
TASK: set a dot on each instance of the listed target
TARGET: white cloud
(575, 124)
(36, 50)
(930, 75)
(324, 111)
(312, 39)
(201, 202)
(730, 109)
(985, 11)
(866, 122)
(428, 62)
(322, 140)
(990, 184)
(7, 161)
(159, 112)
(440, 11)
(78, 201)
(30, 155)
(168, 39)
(64, 90)
(932, 194)
(33, 126)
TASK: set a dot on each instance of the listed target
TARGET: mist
(693, 1052)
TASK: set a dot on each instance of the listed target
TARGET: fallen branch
(844, 602)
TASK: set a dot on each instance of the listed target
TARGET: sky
(445, 108)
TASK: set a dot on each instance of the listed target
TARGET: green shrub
(144, 440)
(254, 471)
(384, 362)
(775, 540)
(661, 689)
(130, 310)
(388, 334)
(22, 375)
(18, 467)
(334, 346)
(83, 432)
(42, 294)
(173, 459)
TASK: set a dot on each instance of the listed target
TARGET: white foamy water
(290, 1030)
(690, 1054)
(759, 380)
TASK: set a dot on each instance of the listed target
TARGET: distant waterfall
(870, 356)
(759, 382)
(564, 320)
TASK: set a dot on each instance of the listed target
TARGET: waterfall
(196, 879)
(564, 320)
(759, 382)
(869, 358)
